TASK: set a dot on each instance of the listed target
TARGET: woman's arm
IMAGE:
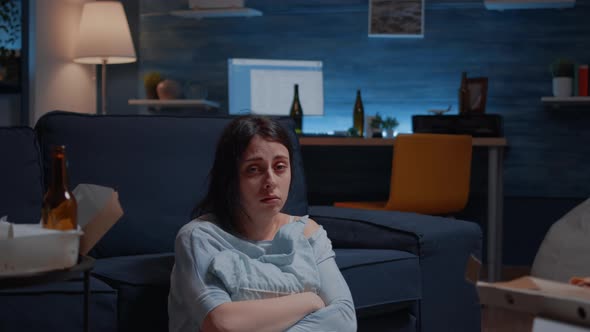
(271, 315)
(339, 314)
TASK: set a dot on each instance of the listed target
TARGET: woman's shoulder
(311, 227)
(205, 223)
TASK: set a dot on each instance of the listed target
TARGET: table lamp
(104, 38)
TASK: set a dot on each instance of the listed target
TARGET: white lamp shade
(104, 34)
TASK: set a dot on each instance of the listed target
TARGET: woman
(244, 265)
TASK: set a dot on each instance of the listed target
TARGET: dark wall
(401, 77)
(549, 154)
(122, 78)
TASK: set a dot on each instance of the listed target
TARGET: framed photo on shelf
(396, 18)
(477, 88)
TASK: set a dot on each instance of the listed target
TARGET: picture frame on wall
(477, 88)
(396, 18)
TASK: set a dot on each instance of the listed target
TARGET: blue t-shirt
(207, 259)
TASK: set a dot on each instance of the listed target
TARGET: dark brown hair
(223, 196)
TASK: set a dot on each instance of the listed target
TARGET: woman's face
(265, 176)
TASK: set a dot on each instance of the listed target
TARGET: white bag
(565, 251)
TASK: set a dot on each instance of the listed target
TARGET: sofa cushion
(20, 175)
(380, 280)
(159, 165)
(58, 307)
(140, 270)
(143, 283)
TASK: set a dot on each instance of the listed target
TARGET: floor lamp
(104, 38)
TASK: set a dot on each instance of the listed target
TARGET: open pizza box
(527, 297)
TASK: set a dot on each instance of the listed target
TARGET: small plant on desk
(389, 124)
(353, 132)
(376, 124)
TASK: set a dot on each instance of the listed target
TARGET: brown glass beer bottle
(59, 209)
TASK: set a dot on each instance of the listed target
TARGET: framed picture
(396, 18)
(477, 88)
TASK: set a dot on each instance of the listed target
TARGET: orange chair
(430, 175)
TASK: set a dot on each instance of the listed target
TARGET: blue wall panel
(401, 77)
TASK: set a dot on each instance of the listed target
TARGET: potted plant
(353, 132)
(389, 124)
(376, 125)
(150, 82)
(563, 73)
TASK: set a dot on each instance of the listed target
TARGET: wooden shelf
(217, 12)
(565, 101)
(528, 4)
(174, 103)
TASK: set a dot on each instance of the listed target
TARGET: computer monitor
(263, 86)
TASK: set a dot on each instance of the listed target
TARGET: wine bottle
(463, 95)
(358, 115)
(59, 210)
(297, 112)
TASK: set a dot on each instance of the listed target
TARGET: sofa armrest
(443, 246)
(419, 234)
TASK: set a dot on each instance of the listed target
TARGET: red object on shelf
(583, 80)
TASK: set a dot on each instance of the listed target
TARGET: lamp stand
(103, 88)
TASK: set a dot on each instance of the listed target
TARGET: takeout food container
(34, 249)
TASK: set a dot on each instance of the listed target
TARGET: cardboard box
(98, 210)
(519, 301)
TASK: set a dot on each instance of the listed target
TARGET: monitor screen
(261, 86)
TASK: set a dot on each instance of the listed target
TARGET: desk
(495, 147)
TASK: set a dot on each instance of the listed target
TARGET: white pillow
(565, 251)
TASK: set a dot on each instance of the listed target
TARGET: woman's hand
(316, 300)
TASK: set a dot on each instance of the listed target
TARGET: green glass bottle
(358, 115)
(297, 112)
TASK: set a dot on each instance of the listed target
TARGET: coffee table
(85, 265)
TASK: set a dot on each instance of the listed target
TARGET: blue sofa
(405, 271)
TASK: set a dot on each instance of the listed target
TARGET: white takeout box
(29, 248)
